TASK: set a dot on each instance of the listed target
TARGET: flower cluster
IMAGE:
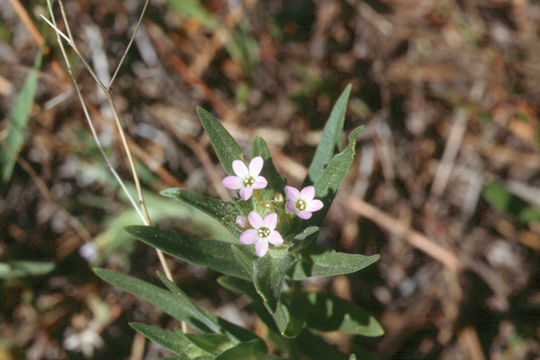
(261, 231)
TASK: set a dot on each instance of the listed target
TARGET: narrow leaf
(234, 332)
(177, 307)
(12, 143)
(21, 268)
(178, 343)
(328, 183)
(193, 9)
(211, 343)
(268, 276)
(259, 148)
(213, 254)
(320, 262)
(227, 149)
(251, 350)
(222, 211)
(329, 313)
(244, 258)
(331, 136)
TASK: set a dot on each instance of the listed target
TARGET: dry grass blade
(141, 204)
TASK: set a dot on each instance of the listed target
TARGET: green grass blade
(18, 121)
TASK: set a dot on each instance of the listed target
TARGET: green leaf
(290, 315)
(268, 276)
(329, 313)
(215, 255)
(251, 350)
(227, 149)
(207, 317)
(177, 306)
(178, 343)
(222, 211)
(211, 343)
(238, 286)
(13, 140)
(330, 138)
(305, 238)
(288, 322)
(320, 262)
(22, 268)
(244, 258)
(243, 47)
(193, 9)
(259, 148)
(500, 198)
(328, 183)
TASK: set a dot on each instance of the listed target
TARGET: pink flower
(302, 203)
(246, 179)
(241, 221)
(263, 232)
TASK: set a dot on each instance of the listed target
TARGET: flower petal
(249, 236)
(308, 193)
(245, 193)
(275, 238)
(255, 220)
(232, 182)
(240, 168)
(260, 183)
(255, 166)
(292, 193)
(304, 214)
(314, 205)
(270, 221)
(261, 247)
(289, 205)
(241, 221)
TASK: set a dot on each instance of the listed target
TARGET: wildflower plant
(269, 249)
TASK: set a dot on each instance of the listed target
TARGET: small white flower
(86, 341)
(88, 251)
(246, 179)
(263, 232)
(302, 203)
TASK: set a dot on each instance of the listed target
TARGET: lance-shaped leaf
(213, 254)
(233, 331)
(21, 268)
(227, 149)
(325, 312)
(328, 183)
(268, 276)
(259, 148)
(178, 343)
(212, 343)
(177, 304)
(224, 212)
(247, 351)
(330, 137)
(320, 262)
(177, 307)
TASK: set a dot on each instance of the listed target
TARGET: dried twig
(414, 238)
(141, 207)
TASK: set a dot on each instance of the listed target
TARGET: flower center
(263, 232)
(248, 181)
(301, 205)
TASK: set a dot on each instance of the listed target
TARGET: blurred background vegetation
(445, 185)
